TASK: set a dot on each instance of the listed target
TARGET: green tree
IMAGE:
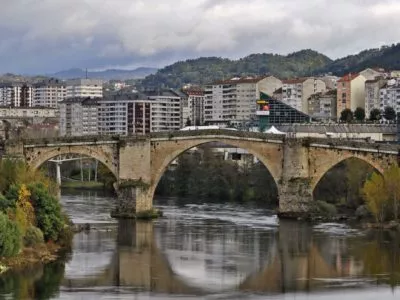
(375, 114)
(376, 197)
(359, 114)
(346, 115)
(392, 179)
(188, 122)
(10, 236)
(389, 113)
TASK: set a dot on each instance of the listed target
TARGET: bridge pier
(295, 191)
(135, 201)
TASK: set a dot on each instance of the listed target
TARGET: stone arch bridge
(138, 162)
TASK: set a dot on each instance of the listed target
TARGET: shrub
(325, 208)
(48, 211)
(33, 236)
(10, 237)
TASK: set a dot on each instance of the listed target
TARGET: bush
(10, 237)
(33, 236)
(48, 211)
(325, 208)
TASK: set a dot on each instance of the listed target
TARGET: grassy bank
(85, 185)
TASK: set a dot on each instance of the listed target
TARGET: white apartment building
(234, 100)
(79, 116)
(193, 107)
(296, 92)
(49, 93)
(322, 106)
(390, 95)
(16, 95)
(372, 94)
(91, 88)
(165, 112)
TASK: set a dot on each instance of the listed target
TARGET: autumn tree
(392, 179)
(376, 197)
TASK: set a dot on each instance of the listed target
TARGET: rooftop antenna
(86, 74)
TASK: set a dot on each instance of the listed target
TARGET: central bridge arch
(164, 151)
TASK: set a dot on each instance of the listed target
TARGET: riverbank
(82, 185)
(30, 256)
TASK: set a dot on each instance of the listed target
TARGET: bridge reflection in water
(282, 260)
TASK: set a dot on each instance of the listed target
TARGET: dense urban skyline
(47, 36)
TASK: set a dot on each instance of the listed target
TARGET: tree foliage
(346, 115)
(10, 236)
(389, 113)
(359, 114)
(375, 196)
(375, 114)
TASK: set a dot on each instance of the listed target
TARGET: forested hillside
(302, 63)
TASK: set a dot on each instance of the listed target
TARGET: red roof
(348, 77)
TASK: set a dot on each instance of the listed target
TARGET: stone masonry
(138, 162)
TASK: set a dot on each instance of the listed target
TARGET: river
(211, 251)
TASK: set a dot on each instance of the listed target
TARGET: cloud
(49, 35)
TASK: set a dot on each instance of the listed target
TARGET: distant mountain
(208, 69)
(302, 63)
(106, 74)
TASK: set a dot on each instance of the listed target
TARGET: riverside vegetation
(32, 225)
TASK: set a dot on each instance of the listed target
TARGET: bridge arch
(166, 151)
(323, 160)
(37, 156)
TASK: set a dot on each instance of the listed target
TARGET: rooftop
(348, 77)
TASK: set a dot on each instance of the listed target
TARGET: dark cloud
(42, 36)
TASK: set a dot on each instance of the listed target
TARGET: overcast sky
(44, 36)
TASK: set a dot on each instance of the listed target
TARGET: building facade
(49, 93)
(193, 107)
(390, 95)
(322, 106)
(79, 116)
(85, 88)
(372, 94)
(165, 111)
(16, 95)
(233, 101)
(295, 92)
(28, 112)
(350, 92)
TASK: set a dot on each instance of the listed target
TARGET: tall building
(372, 94)
(390, 95)
(234, 100)
(372, 73)
(193, 107)
(350, 92)
(166, 111)
(49, 93)
(322, 106)
(86, 88)
(295, 92)
(79, 116)
(16, 95)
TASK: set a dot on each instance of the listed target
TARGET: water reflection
(214, 251)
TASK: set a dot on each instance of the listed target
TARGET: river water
(211, 251)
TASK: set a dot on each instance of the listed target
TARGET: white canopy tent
(273, 130)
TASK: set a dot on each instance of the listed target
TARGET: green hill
(302, 63)
(208, 69)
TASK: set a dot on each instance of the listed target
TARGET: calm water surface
(211, 251)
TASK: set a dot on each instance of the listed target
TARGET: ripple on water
(338, 229)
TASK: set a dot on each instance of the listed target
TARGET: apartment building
(234, 100)
(295, 92)
(85, 88)
(330, 81)
(193, 106)
(372, 94)
(49, 93)
(390, 95)
(372, 73)
(16, 95)
(350, 92)
(27, 112)
(322, 106)
(166, 110)
(79, 116)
